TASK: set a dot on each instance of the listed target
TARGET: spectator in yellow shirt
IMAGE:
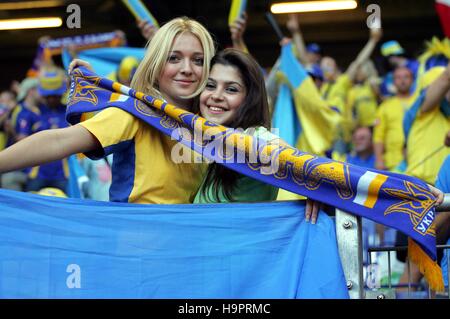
(426, 125)
(388, 138)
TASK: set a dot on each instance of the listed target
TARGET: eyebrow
(228, 82)
(178, 51)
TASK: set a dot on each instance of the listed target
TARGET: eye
(233, 89)
(173, 58)
(210, 86)
(198, 61)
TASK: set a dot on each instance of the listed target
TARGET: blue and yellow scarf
(394, 200)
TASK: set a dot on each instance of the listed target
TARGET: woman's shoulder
(262, 132)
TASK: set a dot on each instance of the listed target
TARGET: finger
(308, 210)
(240, 21)
(235, 24)
(315, 212)
(440, 198)
(438, 194)
(141, 23)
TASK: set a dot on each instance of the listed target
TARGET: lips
(184, 82)
(216, 109)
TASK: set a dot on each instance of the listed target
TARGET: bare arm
(437, 91)
(47, 146)
(297, 37)
(365, 53)
(378, 149)
(237, 30)
(147, 30)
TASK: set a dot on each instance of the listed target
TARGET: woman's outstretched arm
(47, 146)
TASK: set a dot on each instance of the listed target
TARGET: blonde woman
(175, 68)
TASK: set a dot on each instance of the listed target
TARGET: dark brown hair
(253, 112)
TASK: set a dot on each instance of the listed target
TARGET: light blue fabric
(50, 246)
(443, 183)
(444, 264)
(285, 116)
(77, 177)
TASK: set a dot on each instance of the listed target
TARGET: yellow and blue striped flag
(237, 9)
(316, 122)
(140, 11)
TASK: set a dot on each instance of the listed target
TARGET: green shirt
(247, 189)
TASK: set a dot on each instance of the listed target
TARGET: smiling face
(182, 72)
(224, 94)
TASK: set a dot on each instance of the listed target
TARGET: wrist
(447, 73)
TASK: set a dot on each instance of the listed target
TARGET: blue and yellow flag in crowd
(140, 11)
(395, 200)
(316, 121)
(285, 116)
(237, 9)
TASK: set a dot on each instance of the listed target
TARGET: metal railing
(349, 238)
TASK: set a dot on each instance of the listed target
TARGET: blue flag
(77, 178)
(72, 248)
(399, 201)
(285, 117)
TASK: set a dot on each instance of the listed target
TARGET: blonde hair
(158, 48)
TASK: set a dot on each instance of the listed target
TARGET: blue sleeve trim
(101, 153)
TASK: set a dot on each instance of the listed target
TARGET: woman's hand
(438, 194)
(237, 28)
(312, 210)
(292, 23)
(78, 62)
(147, 30)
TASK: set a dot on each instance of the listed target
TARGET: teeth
(215, 108)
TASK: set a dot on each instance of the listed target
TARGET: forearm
(363, 56)
(299, 43)
(436, 91)
(366, 52)
(38, 148)
(239, 44)
(378, 149)
(46, 146)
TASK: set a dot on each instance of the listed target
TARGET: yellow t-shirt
(389, 129)
(143, 170)
(362, 102)
(336, 93)
(426, 136)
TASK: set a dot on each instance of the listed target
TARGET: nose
(186, 67)
(217, 95)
